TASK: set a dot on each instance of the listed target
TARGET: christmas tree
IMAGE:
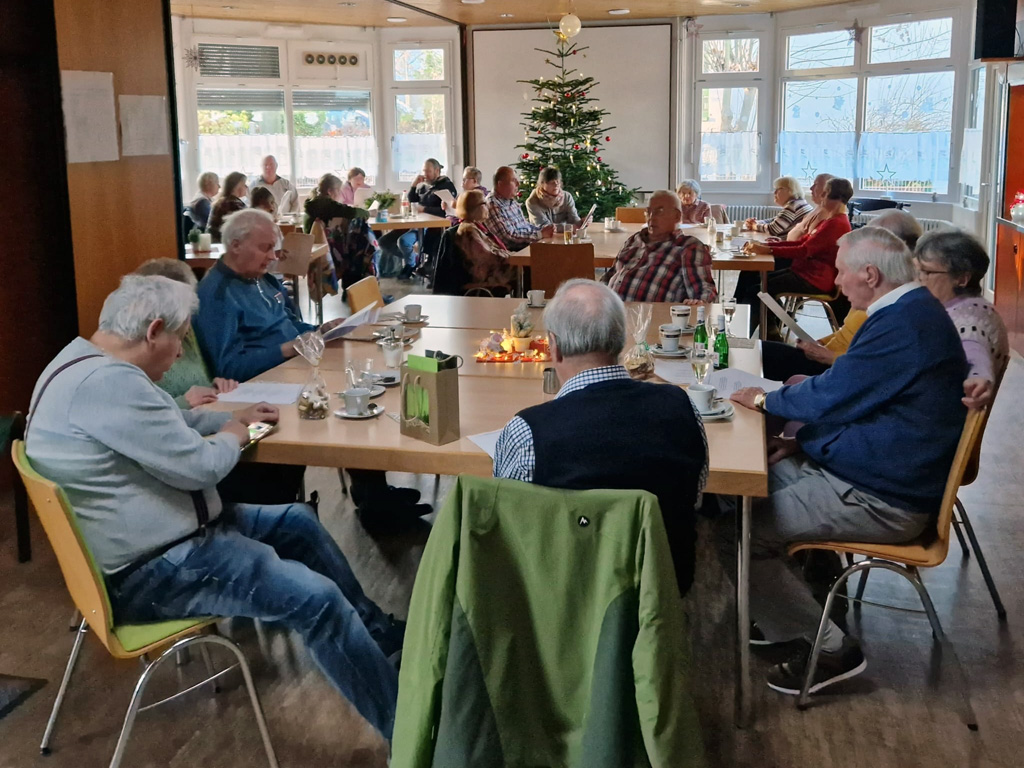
(565, 130)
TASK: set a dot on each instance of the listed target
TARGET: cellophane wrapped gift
(315, 400)
(638, 360)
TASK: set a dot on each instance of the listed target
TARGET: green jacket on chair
(546, 630)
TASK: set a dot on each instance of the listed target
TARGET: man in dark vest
(604, 430)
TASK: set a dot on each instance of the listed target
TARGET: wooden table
(414, 221)
(608, 244)
(489, 395)
(203, 259)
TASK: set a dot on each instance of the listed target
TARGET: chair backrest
(449, 274)
(631, 215)
(969, 439)
(974, 463)
(363, 293)
(318, 232)
(295, 254)
(718, 213)
(81, 574)
(551, 264)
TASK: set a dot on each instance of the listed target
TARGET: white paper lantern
(570, 25)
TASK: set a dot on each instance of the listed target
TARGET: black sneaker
(391, 638)
(757, 636)
(843, 664)
(392, 519)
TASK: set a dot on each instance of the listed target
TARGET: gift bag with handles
(430, 399)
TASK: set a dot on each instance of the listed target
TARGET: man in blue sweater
(246, 325)
(870, 463)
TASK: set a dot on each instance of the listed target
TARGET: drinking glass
(728, 309)
(366, 369)
(701, 364)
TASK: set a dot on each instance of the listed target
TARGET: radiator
(744, 212)
(928, 225)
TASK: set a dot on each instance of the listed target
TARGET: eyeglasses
(927, 272)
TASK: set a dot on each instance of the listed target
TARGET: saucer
(537, 306)
(720, 412)
(376, 409)
(406, 342)
(419, 320)
(659, 352)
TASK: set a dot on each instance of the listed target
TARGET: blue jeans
(403, 241)
(275, 563)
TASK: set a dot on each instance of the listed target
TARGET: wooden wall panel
(123, 212)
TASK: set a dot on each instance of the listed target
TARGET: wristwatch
(759, 399)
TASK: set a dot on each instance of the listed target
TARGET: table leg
(744, 713)
(764, 309)
(519, 282)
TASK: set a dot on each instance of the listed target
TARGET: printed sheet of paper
(364, 315)
(263, 392)
(90, 125)
(144, 126)
(487, 441)
(446, 197)
(675, 371)
(785, 317)
(729, 380)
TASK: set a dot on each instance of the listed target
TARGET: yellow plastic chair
(928, 551)
(631, 215)
(363, 293)
(126, 641)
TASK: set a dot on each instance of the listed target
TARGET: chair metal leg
(831, 316)
(208, 662)
(44, 746)
(860, 587)
(956, 523)
(819, 639)
(21, 523)
(967, 710)
(344, 482)
(986, 574)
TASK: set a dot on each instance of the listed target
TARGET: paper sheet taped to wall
(90, 126)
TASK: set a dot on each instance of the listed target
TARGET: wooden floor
(901, 712)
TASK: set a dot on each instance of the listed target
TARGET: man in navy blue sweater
(247, 325)
(870, 463)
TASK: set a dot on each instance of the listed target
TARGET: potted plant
(521, 329)
(193, 236)
(388, 200)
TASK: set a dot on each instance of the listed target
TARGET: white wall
(632, 65)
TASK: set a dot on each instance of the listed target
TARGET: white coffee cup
(668, 335)
(680, 314)
(357, 401)
(536, 298)
(703, 396)
(609, 224)
(413, 312)
(736, 229)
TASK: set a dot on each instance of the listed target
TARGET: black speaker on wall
(995, 34)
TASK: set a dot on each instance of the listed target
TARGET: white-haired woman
(188, 381)
(695, 210)
(790, 195)
(201, 206)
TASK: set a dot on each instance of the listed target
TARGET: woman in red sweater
(807, 265)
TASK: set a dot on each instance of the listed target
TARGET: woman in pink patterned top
(952, 264)
(694, 210)
(356, 180)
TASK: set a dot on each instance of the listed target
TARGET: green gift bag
(430, 400)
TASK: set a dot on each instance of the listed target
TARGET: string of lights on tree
(566, 130)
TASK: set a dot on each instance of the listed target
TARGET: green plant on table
(387, 198)
(522, 323)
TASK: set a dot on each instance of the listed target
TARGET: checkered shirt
(514, 456)
(674, 269)
(509, 224)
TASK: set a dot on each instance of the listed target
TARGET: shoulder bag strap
(32, 408)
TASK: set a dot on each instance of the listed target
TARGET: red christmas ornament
(526, 155)
(599, 159)
(575, 146)
(583, 94)
(595, 149)
(607, 138)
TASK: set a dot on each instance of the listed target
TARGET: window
(970, 156)
(419, 64)
(239, 61)
(333, 132)
(874, 105)
(419, 106)
(238, 128)
(730, 110)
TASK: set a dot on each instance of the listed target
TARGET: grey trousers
(807, 503)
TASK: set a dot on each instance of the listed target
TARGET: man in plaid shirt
(661, 262)
(506, 221)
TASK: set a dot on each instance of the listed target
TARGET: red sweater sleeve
(822, 243)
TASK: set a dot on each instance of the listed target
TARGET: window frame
(761, 81)
(393, 88)
(862, 70)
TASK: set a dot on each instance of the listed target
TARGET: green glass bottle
(700, 334)
(721, 345)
